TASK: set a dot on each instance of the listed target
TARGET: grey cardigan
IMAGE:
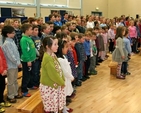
(119, 51)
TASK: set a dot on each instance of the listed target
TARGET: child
(37, 63)
(64, 29)
(133, 36)
(52, 80)
(87, 52)
(18, 34)
(96, 30)
(61, 54)
(105, 39)
(13, 61)
(81, 56)
(58, 20)
(119, 54)
(128, 48)
(45, 29)
(93, 55)
(51, 25)
(101, 46)
(40, 22)
(74, 39)
(27, 57)
(3, 72)
(111, 37)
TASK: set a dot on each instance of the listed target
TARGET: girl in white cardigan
(65, 65)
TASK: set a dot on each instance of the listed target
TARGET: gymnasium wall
(126, 7)
(109, 8)
(90, 5)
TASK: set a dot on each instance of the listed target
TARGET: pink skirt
(53, 99)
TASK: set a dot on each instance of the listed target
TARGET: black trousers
(87, 65)
(27, 81)
(134, 46)
(2, 87)
(111, 45)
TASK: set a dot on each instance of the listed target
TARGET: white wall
(126, 7)
(90, 5)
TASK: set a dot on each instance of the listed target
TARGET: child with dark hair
(56, 29)
(61, 54)
(52, 80)
(27, 57)
(58, 20)
(51, 24)
(65, 19)
(25, 22)
(13, 61)
(36, 65)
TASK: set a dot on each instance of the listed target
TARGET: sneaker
(19, 96)
(83, 79)
(11, 100)
(87, 77)
(2, 110)
(70, 110)
(26, 94)
(93, 73)
(97, 64)
(78, 84)
(128, 73)
(5, 104)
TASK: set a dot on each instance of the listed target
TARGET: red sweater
(3, 64)
(74, 55)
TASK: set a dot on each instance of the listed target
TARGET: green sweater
(51, 74)
(28, 49)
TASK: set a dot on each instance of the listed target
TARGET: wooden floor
(103, 93)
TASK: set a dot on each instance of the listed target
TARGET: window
(74, 3)
(47, 2)
(26, 2)
(6, 1)
(54, 3)
(18, 2)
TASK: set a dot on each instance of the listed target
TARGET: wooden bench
(113, 68)
(32, 105)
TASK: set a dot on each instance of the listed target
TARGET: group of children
(66, 54)
(20, 51)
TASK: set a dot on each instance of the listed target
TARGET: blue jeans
(36, 65)
(124, 67)
(80, 70)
